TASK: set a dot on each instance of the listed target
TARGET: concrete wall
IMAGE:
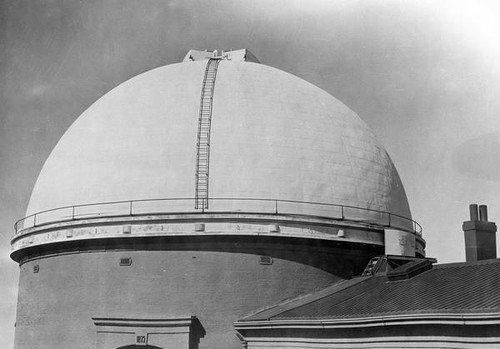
(56, 304)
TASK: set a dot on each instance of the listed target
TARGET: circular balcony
(216, 217)
(147, 207)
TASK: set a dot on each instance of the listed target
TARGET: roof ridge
(354, 295)
(306, 298)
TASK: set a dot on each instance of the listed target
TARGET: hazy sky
(425, 75)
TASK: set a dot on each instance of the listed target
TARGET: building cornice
(375, 321)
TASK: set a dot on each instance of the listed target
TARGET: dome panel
(136, 142)
(273, 136)
(277, 136)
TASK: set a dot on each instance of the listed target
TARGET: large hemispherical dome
(273, 136)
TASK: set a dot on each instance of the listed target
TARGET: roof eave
(375, 321)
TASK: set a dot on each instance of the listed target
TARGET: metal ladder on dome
(203, 140)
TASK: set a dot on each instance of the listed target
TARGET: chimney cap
(473, 212)
(483, 213)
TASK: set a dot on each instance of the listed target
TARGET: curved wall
(274, 136)
(56, 305)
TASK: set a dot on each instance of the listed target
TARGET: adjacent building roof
(462, 290)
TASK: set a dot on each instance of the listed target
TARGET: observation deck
(172, 217)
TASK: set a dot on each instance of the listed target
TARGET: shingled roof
(458, 288)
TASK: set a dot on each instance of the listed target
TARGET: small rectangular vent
(36, 268)
(126, 261)
(273, 228)
(266, 260)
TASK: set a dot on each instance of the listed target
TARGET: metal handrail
(70, 213)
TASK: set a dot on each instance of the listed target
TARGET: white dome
(273, 136)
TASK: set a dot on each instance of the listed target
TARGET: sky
(424, 75)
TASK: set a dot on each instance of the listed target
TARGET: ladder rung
(202, 145)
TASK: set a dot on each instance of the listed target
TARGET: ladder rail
(203, 136)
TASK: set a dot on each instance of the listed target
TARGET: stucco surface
(56, 305)
(273, 136)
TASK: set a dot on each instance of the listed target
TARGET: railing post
(34, 220)
(276, 206)
(389, 215)
(130, 209)
(342, 211)
(73, 213)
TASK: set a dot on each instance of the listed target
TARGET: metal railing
(219, 205)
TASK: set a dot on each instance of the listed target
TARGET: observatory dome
(272, 136)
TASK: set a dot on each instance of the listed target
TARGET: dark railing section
(219, 205)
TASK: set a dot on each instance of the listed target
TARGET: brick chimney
(480, 235)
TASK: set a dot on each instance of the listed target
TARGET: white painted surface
(399, 243)
(273, 136)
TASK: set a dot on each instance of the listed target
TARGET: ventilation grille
(125, 261)
(266, 260)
